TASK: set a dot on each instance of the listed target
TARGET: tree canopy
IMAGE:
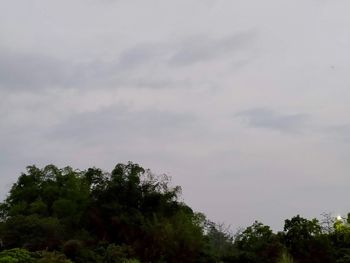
(133, 215)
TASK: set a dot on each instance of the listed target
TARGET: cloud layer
(242, 103)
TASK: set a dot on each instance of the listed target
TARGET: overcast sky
(244, 103)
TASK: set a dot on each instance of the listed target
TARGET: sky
(245, 104)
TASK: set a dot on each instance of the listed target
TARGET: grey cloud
(139, 55)
(119, 122)
(160, 83)
(187, 51)
(33, 71)
(339, 132)
(269, 119)
(115, 127)
(203, 49)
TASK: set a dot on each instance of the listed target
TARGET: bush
(285, 258)
(16, 255)
(117, 254)
(53, 257)
(72, 248)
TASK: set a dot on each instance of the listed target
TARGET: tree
(305, 241)
(53, 208)
(257, 243)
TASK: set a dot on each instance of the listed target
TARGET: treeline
(132, 215)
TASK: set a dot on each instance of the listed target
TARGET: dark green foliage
(72, 248)
(32, 232)
(115, 254)
(258, 243)
(16, 255)
(76, 211)
(131, 215)
(53, 257)
(305, 241)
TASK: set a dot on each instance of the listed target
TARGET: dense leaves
(94, 216)
(132, 215)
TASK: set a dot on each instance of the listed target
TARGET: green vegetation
(131, 215)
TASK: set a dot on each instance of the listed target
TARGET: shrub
(72, 248)
(285, 258)
(16, 255)
(53, 257)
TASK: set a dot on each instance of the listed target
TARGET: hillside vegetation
(132, 215)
